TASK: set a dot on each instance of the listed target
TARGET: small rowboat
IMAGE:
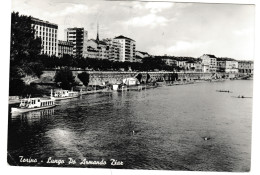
(224, 91)
(240, 96)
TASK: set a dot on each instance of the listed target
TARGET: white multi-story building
(79, 38)
(209, 63)
(227, 66)
(48, 33)
(127, 51)
(114, 49)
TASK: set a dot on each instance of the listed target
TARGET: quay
(105, 78)
(116, 77)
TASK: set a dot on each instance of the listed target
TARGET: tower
(97, 34)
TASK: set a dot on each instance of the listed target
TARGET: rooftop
(42, 21)
(99, 42)
(123, 37)
(142, 52)
(76, 28)
(209, 55)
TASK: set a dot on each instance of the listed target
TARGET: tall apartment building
(127, 52)
(79, 38)
(114, 49)
(65, 47)
(48, 33)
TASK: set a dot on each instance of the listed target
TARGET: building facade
(101, 48)
(209, 63)
(198, 66)
(79, 38)
(191, 66)
(181, 64)
(227, 66)
(114, 49)
(128, 46)
(246, 67)
(92, 52)
(169, 61)
(48, 33)
(65, 47)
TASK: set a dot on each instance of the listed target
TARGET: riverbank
(93, 90)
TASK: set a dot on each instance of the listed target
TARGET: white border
(5, 10)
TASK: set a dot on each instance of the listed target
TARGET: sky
(159, 28)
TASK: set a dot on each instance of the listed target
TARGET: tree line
(147, 64)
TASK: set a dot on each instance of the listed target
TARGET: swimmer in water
(206, 138)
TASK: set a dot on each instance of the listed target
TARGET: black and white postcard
(146, 85)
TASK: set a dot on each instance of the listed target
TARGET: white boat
(32, 104)
(64, 94)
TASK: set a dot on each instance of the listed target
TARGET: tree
(150, 63)
(65, 79)
(23, 41)
(67, 60)
(25, 49)
(84, 77)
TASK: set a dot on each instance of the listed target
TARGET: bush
(65, 79)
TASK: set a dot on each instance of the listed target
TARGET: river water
(169, 124)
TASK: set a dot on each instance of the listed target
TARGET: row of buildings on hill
(76, 43)
(210, 63)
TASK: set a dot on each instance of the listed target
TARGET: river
(161, 128)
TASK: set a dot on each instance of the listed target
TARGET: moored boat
(32, 104)
(64, 94)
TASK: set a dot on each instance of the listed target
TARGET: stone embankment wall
(99, 78)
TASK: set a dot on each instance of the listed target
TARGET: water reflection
(34, 116)
(64, 142)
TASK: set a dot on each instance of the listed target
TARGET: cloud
(158, 27)
(148, 20)
(153, 7)
(184, 48)
(183, 45)
(73, 9)
(156, 7)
